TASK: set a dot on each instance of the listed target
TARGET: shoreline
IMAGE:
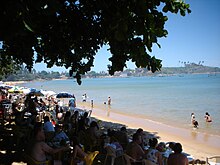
(13, 83)
(199, 145)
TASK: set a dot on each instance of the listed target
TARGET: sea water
(169, 100)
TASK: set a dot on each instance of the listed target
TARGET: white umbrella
(48, 93)
(26, 90)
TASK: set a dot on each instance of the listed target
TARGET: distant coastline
(13, 83)
(188, 68)
(18, 82)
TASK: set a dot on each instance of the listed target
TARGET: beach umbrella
(15, 89)
(51, 93)
(48, 93)
(35, 92)
(64, 95)
(4, 86)
(26, 90)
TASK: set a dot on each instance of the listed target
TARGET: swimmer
(207, 117)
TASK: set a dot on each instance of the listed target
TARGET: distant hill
(192, 68)
(189, 69)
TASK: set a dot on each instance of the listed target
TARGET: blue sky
(193, 38)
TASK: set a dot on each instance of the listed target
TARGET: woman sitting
(92, 137)
(79, 155)
(152, 153)
(39, 148)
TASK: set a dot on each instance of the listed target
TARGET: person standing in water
(109, 100)
(207, 117)
(193, 121)
(92, 103)
(84, 97)
(192, 118)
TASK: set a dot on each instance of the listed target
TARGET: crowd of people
(76, 137)
(52, 126)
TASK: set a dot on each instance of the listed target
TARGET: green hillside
(189, 69)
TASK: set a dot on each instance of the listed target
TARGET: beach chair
(213, 160)
(90, 157)
(130, 161)
(110, 156)
(89, 112)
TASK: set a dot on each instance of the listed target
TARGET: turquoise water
(170, 100)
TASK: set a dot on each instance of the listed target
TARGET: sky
(193, 38)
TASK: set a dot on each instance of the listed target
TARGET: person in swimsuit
(109, 100)
(152, 153)
(193, 121)
(207, 117)
(192, 118)
(39, 149)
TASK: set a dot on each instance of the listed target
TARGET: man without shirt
(177, 157)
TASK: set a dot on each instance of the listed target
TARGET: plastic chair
(128, 159)
(213, 160)
(90, 157)
(110, 156)
(89, 113)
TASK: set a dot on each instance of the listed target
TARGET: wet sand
(199, 145)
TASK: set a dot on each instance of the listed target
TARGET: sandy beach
(197, 144)
(15, 82)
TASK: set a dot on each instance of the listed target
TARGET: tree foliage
(7, 66)
(70, 32)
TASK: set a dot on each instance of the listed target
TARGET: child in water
(193, 121)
